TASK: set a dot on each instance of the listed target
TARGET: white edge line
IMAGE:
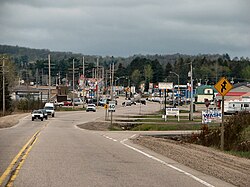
(164, 163)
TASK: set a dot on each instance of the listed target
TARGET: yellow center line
(10, 168)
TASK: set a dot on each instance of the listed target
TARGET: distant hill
(17, 52)
(33, 54)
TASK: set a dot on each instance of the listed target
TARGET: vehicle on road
(78, 101)
(102, 102)
(143, 101)
(91, 107)
(45, 115)
(37, 114)
(60, 104)
(50, 109)
(68, 102)
(127, 103)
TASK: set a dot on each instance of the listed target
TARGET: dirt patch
(11, 120)
(98, 126)
(229, 168)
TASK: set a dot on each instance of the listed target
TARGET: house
(205, 92)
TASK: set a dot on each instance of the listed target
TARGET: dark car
(45, 114)
(143, 101)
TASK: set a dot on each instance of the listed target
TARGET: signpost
(165, 86)
(111, 106)
(172, 112)
(223, 86)
(106, 111)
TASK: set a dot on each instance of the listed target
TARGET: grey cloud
(108, 27)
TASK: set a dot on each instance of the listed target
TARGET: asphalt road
(61, 154)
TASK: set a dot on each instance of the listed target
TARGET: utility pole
(112, 82)
(97, 78)
(49, 78)
(110, 78)
(3, 66)
(36, 78)
(191, 94)
(83, 67)
(73, 84)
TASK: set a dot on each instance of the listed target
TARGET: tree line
(31, 65)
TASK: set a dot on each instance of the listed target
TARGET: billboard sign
(166, 85)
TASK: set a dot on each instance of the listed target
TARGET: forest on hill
(31, 64)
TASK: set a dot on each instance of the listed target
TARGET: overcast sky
(128, 27)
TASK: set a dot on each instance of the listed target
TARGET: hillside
(17, 52)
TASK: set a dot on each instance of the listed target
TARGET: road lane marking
(109, 138)
(18, 161)
(165, 163)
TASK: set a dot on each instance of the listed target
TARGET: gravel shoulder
(210, 161)
(11, 120)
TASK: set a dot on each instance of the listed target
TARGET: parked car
(127, 103)
(102, 102)
(143, 101)
(113, 100)
(91, 107)
(45, 114)
(37, 114)
(92, 101)
(60, 104)
(68, 102)
(78, 101)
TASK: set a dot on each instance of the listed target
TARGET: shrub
(234, 126)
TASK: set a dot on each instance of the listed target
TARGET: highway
(61, 154)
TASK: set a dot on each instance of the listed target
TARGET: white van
(50, 109)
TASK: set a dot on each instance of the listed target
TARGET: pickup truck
(37, 114)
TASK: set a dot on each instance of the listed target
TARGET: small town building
(205, 92)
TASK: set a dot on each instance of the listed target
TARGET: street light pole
(73, 84)
(3, 58)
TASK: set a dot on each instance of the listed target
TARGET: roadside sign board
(106, 106)
(111, 106)
(165, 85)
(223, 86)
(172, 112)
(209, 116)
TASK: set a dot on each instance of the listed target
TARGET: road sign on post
(111, 106)
(223, 86)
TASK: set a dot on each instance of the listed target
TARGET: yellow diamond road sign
(223, 86)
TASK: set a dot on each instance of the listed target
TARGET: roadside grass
(247, 133)
(69, 109)
(168, 127)
(243, 154)
(183, 119)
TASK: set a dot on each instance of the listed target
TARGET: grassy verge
(183, 119)
(69, 109)
(168, 127)
(239, 154)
